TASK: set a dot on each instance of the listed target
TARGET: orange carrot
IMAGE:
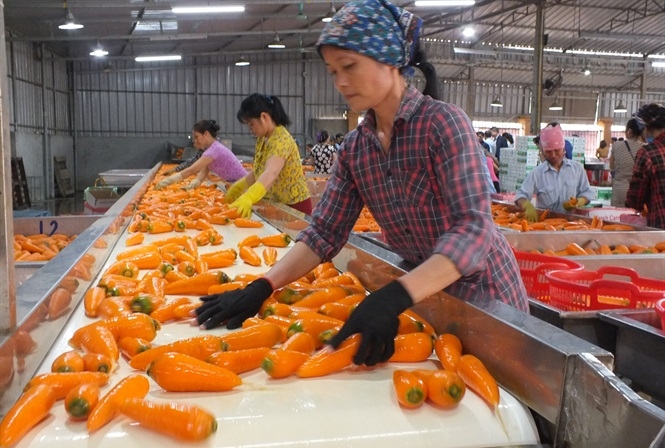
(239, 361)
(277, 240)
(198, 284)
(476, 376)
(248, 255)
(321, 296)
(282, 363)
(410, 390)
(269, 256)
(427, 327)
(264, 335)
(69, 361)
(81, 400)
(31, 408)
(180, 421)
(274, 307)
(247, 223)
(99, 339)
(300, 342)
(134, 239)
(96, 362)
(146, 303)
(92, 299)
(61, 383)
(23, 343)
(251, 241)
(132, 386)
(166, 313)
(130, 346)
(325, 362)
(199, 347)
(444, 388)
(58, 303)
(412, 347)
(335, 309)
(177, 372)
(230, 286)
(314, 326)
(124, 268)
(448, 349)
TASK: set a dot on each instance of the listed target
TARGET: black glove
(233, 306)
(375, 318)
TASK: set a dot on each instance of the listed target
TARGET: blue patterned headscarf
(374, 28)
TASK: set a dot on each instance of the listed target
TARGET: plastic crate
(660, 310)
(533, 268)
(593, 291)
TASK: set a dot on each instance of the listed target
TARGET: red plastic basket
(591, 290)
(660, 310)
(533, 268)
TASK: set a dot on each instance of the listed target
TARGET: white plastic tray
(122, 178)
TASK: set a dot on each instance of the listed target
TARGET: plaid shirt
(647, 186)
(189, 162)
(428, 192)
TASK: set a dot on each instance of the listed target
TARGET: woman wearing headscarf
(647, 186)
(416, 164)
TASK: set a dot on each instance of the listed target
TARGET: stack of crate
(517, 163)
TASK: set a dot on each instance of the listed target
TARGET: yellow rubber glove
(165, 182)
(236, 190)
(530, 211)
(252, 196)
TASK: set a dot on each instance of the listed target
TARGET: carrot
(269, 256)
(96, 362)
(247, 223)
(180, 421)
(277, 240)
(177, 372)
(314, 326)
(69, 283)
(131, 347)
(325, 362)
(264, 335)
(153, 285)
(575, 249)
(410, 390)
(335, 309)
(186, 267)
(321, 296)
(198, 284)
(23, 343)
(132, 386)
(239, 361)
(146, 303)
(58, 303)
(282, 363)
(81, 400)
(81, 271)
(199, 347)
(166, 313)
(134, 239)
(31, 408)
(147, 260)
(412, 347)
(124, 268)
(99, 339)
(300, 342)
(476, 376)
(248, 255)
(230, 286)
(62, 382)
(427, 327)
(219, 259)
(445, 388)
(251, 241)
(70, 361)
(92, 299)
(271, 307)
(448, 349)
(289, 296)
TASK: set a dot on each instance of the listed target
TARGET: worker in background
(324, 153)
(277, 172)
(186, 164)
(559, 184)
(647, 186)
(622, 161)
(216, 158)
(415, 162)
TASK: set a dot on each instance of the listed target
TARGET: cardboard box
(97, 200)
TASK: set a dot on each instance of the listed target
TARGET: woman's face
(202, 140)
(363, 81)
(261, 126)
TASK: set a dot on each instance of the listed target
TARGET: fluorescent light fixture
(328, 17)
(658, 64)
(468, 31)
(70, 22)
(606, 53)
(206, 9)
(242, 62)
(496, 102)
(555, 105)
(426, 3)
(99, 52)
(656, 56)
(620, 108)
(164, 57)
(276, 43)
(462, 50)
(586, 71)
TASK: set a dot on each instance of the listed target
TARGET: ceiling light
(555, 105)
(242, 62)
(659, 64)
(206, 9)
(276, 43)
(70, 21)
(99, 52)
(496, 102)
(328, 17)
(586, 71)
(165, 57)
(620, 108)
(445, 3)
(468, 32)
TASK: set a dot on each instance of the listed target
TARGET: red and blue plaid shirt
(428, 192)
(647, 186)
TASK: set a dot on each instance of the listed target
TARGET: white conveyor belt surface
(354, 408)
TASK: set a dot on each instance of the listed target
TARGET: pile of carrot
(39, 247)
(366, 222)
(593, 248)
